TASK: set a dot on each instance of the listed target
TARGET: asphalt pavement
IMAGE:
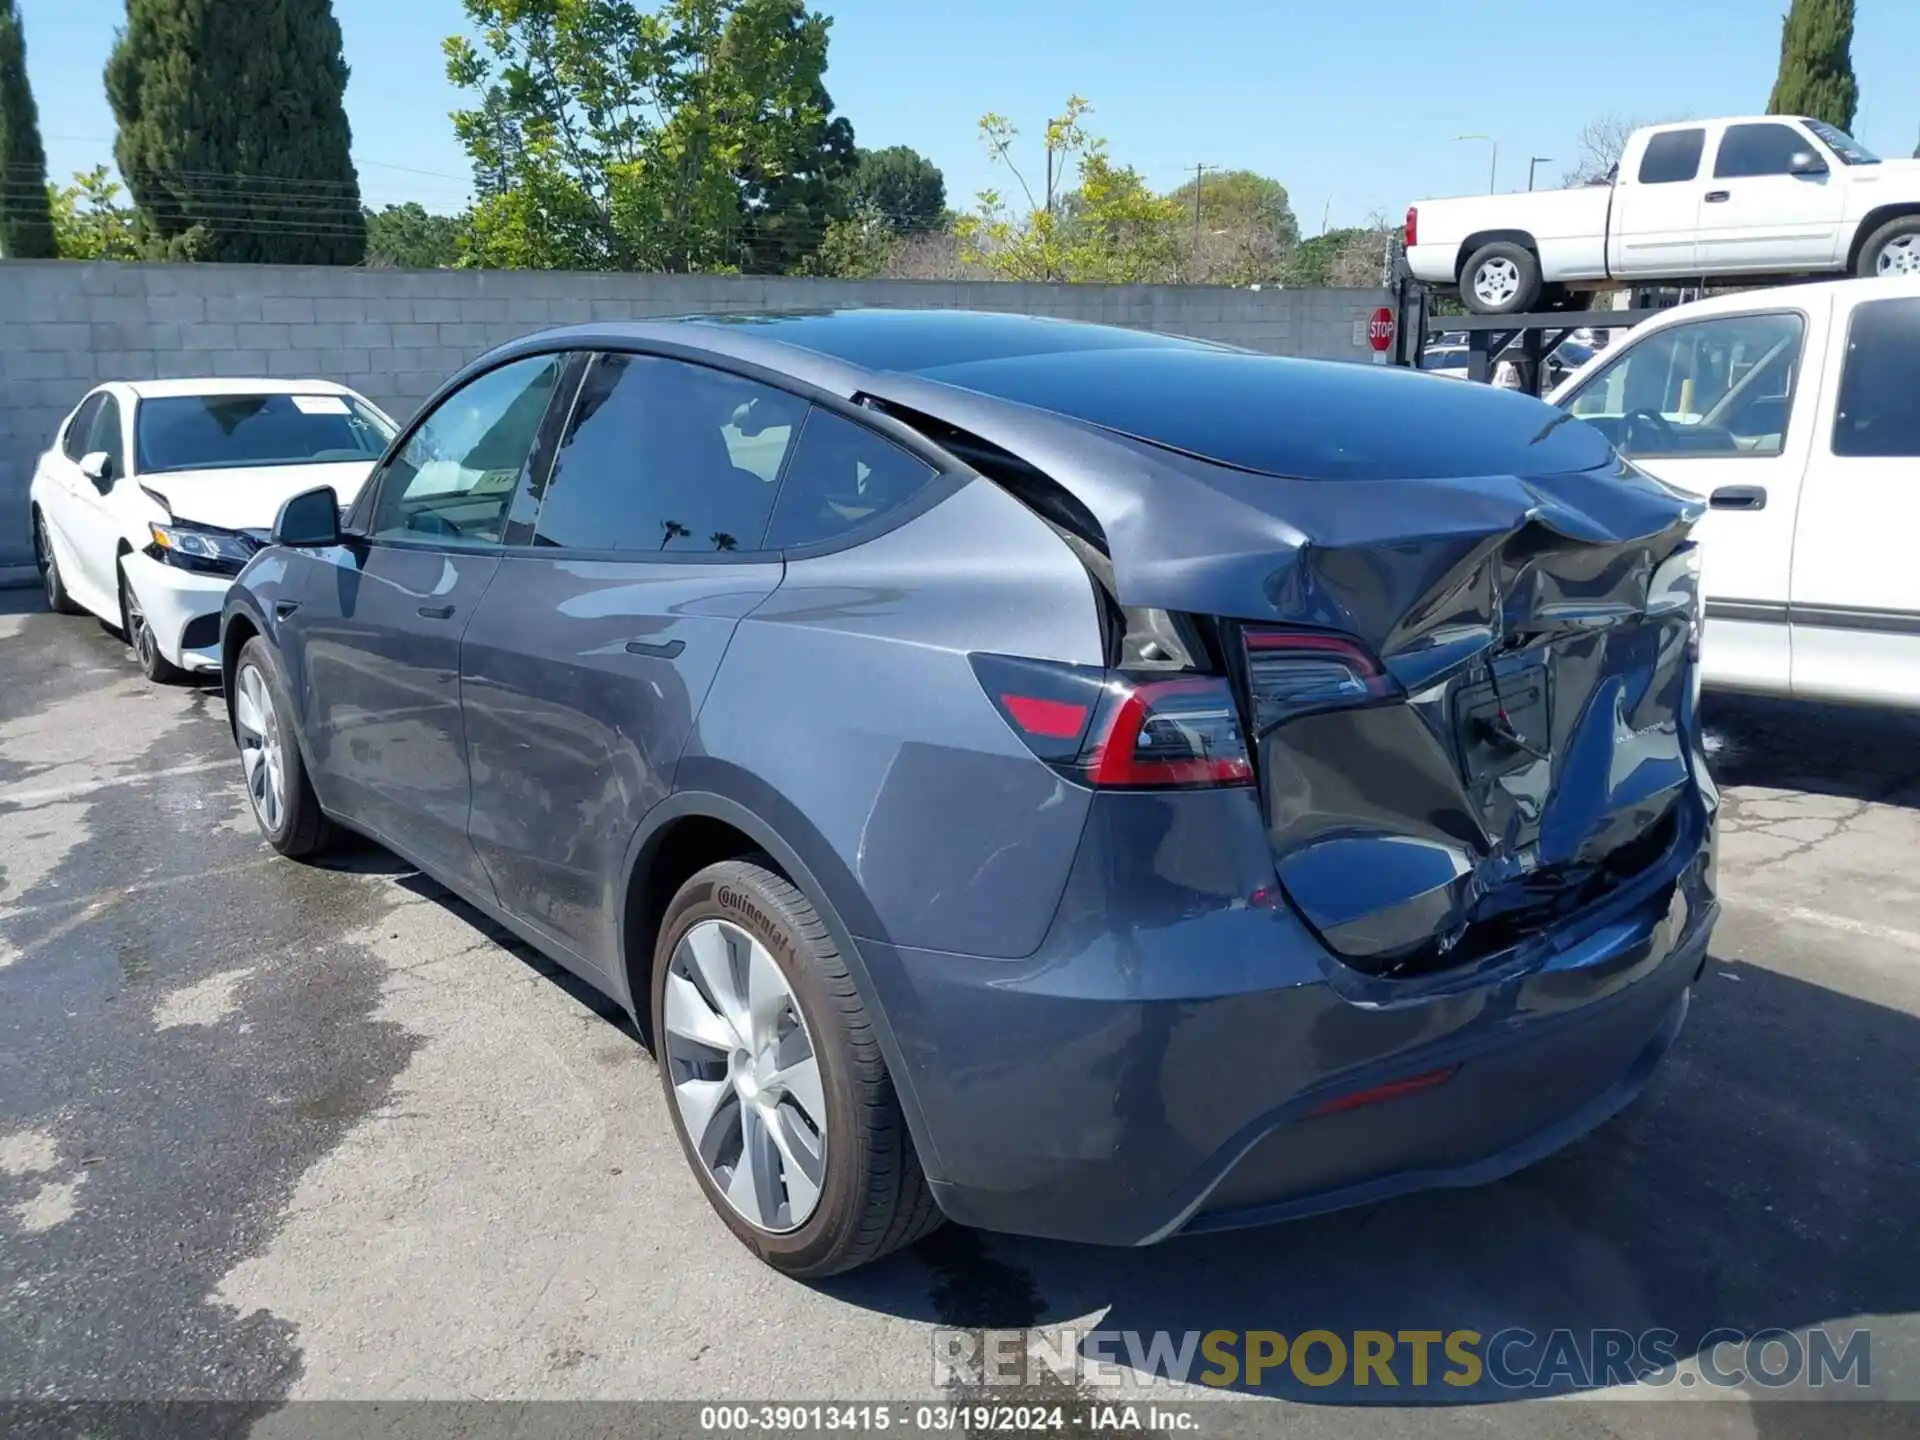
(276, 1133)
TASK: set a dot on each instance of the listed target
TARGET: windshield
(223, 432)
(1850, 150)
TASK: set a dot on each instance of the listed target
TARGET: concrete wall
(395, 334)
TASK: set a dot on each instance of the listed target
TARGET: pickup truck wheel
(1500, 279)
(1893, 249)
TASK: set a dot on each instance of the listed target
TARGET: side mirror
(1805, 162)
(97, 466)
(309, 520)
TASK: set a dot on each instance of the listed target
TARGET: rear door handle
(436, 612)
(1739, 497)
(670, 650)
(1714, 197)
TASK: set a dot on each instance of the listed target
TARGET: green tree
(696, 137)
(233, 137)
(903, 186)
(856, 247)
(89, 222)
(410, 237)
(1241, 228)
(1112, 229)
(1816, 63)
(26, 224)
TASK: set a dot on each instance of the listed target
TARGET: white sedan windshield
(220, 432)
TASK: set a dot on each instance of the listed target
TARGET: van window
(1709, 388)
(1671, 156)
(1879, 411)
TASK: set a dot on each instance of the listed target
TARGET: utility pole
(1493, 166)
(1536, 160)
(1199, 181)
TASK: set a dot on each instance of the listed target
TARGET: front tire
(775, 1081)
(278, 790)
(1893, 249)
(1502, 278)
(58, 600)
(141, 639)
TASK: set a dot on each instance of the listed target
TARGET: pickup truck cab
(1796, 413)
(1739, 199)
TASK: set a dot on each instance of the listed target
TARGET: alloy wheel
(260, 754)
(1900, 256)
(140, 634)
(43, 554)
(1496, 281)
(745, 1075)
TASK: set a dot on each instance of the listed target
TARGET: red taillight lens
(1291, 672)
(1413, 226)
(1392, 1090)
(1117, 731)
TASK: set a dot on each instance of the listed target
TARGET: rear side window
(1758, 150)
(1705, 389)
(663, 456)
(1672, 155)
(1879, 413)
(80, 429)
(842, 478)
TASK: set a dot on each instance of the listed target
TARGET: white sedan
(155, 493)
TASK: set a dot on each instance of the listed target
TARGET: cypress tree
(233, 136)
(26, 216)
(1816, 63)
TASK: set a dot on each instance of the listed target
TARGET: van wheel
(1893, 249)
(1500, 279)
(774, 1079)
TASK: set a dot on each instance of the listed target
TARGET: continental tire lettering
(742, 906)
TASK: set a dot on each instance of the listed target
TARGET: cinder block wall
(65, 326)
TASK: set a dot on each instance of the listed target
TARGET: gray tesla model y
(1062, 779)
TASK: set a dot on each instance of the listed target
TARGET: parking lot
(274, 1132)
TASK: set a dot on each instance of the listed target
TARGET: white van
(1796, 413)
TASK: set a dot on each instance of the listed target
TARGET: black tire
(1524, 273)
(874, 1198)
(54, 587)
(302, 830)
(141, 640)
(1901, 228)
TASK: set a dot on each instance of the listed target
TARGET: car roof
(230, 385)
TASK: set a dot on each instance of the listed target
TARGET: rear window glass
(1310, 420)
(1671, 156)
(220, 432)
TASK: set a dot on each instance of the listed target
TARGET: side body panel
(580, 682)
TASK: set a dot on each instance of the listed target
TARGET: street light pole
(1536, 160)
(1493, 168)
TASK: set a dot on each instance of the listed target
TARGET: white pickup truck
(1796, 413)
(1735, 200)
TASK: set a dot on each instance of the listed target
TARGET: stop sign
(1380, 329)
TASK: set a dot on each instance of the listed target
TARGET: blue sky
(1351, 105)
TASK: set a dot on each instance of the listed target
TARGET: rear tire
(142, 641)
(278, 790)
(866, 1195)
(55, 588)
(1500, 279)
(1893, 249)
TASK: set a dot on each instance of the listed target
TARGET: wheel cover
(260, 755)
(745, 1075)
(1900, 256)
(1497, 280)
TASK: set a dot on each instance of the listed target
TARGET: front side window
(1672, 156)
(223, 432)
(1709, 388)
(1758, 150)
(105, 435)
(80, 428)
(662, 456)
(454, 478)
(1879, 409)
(843, 477)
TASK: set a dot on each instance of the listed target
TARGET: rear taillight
(1413, 226)
(1115, 731)
(1292, 672)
